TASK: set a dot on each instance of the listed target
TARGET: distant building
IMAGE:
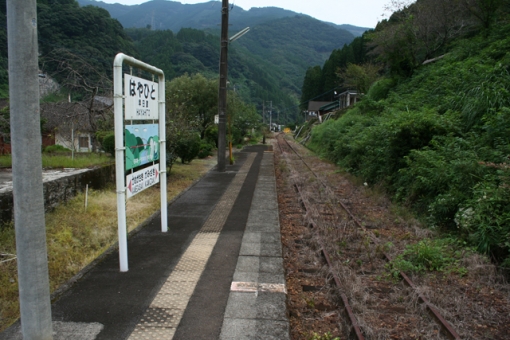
(347, 99)
(72, 125)
(314, 109)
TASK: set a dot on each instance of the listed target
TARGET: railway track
(372, 308)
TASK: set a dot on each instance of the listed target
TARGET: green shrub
(205, 150)
(108, 143)
(380, 89)
(485, 217)
(429, 255)
(211, 135)
(439, 178)
(55, 149)
(188, 147)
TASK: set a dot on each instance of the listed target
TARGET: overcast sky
(364, 13)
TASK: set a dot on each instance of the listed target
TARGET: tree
(241, 117)
(91, 91)
(485, 11)
(360, 77)
(194, 98)
(437, 23)
(311, 85)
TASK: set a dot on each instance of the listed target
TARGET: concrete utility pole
(270, 114)
(263, 112)
(222, 96)
(34, 291)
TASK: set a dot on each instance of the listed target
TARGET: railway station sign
(140, 158)
(141, 180)
(141, 98)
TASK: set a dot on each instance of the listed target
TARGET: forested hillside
(433, 128)
(193, 51)
(172, 15)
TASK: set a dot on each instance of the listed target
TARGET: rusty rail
(445, 325)
(348, 309)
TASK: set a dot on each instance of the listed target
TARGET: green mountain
(267, 64)
(194, 51)
(172, 15)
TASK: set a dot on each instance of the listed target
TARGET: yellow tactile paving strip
(162, 317)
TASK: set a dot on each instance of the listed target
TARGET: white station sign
(140, 180)
(141, 98)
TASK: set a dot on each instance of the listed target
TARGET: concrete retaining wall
(61, 189)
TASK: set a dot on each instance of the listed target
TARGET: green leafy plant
(55, 149)
(108, 143)
(325, 336)
(205, 150)
(188, 147)
(485, 218)
(441, 255)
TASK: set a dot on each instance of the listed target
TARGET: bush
(438, 178)
(380, 89)
(429, 255)
(188, 147)
(211, 135)
(205, 150)
(101, 135)
(55, 149)
(485, 217)
(108, 143)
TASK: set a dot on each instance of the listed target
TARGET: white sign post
(142, 100)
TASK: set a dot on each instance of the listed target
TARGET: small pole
(86, 196)
(72, 141)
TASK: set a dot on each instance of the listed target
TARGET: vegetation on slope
(437, 136)
(192, 51)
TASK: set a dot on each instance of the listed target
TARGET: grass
(441, 255)
(75, 237)
(64, 160)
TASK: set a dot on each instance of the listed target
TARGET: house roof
(351, 92)
(59, 115)
(315, 106)
(330, 106)
(74, 115)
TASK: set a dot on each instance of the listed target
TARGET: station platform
(216, 274)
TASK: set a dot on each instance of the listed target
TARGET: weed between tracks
(75, 237)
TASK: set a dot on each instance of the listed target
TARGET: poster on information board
(142, 144)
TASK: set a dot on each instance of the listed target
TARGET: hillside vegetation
(173, 15)
(192, 51)
(436, 136)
